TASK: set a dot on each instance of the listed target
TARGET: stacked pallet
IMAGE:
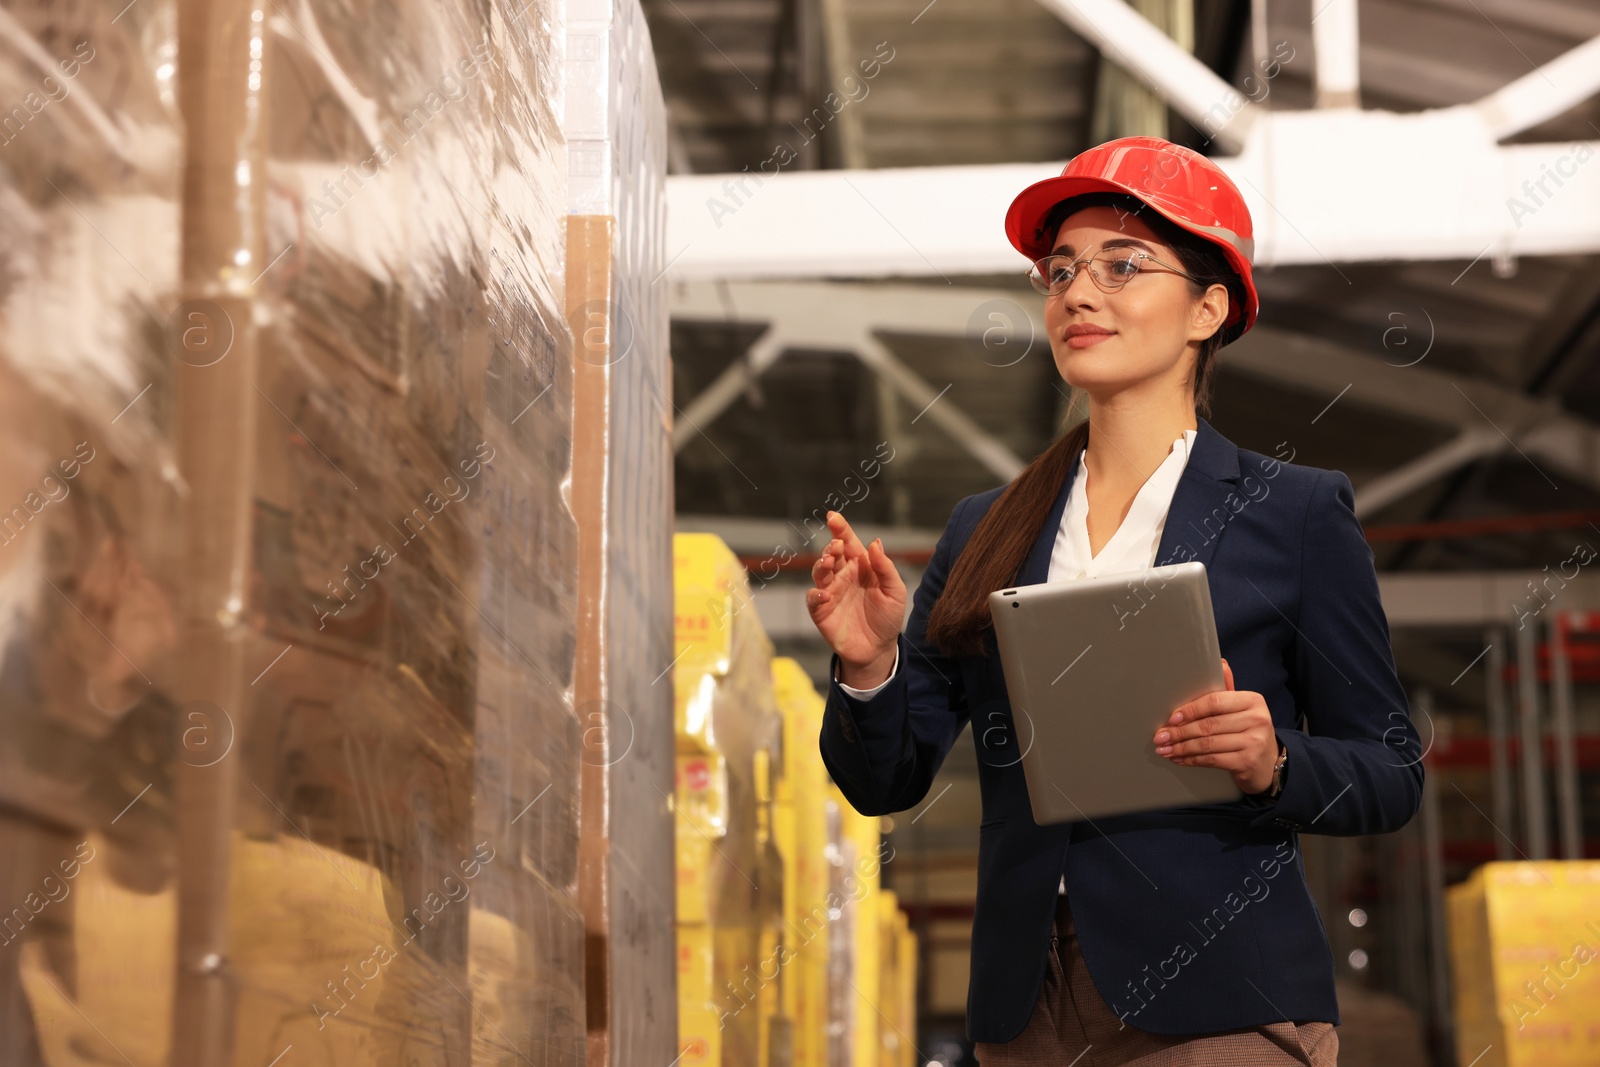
(790, 954)
(615, 126)
(291, 622)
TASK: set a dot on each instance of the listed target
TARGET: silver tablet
(1092, 667)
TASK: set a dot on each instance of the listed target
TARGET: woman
(1184, 936)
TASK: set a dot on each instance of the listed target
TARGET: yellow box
(699, 1030)
(711, 593)
(854, 885)
(319, 937)
(730, 869)
(897, 987)
(1525, 960)
(802, 834)
(908, 989)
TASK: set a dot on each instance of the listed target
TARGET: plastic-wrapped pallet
(614, 120)
(1525, 964)
(725, 715)
(802, 832)
(317, 546)
(90, 559)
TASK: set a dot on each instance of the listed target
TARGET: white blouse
(1133, 547)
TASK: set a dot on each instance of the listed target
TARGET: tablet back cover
(1092, 667)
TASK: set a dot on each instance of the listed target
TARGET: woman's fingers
(1236, 722)
(1222, 702)
(1201, 746)
(824, 569)
(865, 567)
(853, 548)
(1232, 762)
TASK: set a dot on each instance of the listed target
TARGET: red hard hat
(1179, 184)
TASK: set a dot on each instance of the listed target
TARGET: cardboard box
(1525, 964)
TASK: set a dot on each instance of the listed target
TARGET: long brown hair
(999, 546)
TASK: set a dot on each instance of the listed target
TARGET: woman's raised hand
(858, 604)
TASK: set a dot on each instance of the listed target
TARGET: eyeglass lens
(1109, 270)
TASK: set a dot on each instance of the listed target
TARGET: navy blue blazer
(1195, 919)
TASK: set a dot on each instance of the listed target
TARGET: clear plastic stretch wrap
(90, 185)
(290, 756)
(615, 126)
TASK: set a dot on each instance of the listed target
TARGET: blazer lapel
(1199, 511)
(1195, 520)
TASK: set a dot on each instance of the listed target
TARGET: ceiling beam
(1325, 187)
(1466, 599)
(1561, 84)
(848, 317)
(844, 318)
(1133, 43)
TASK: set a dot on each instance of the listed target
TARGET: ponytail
(993, 557)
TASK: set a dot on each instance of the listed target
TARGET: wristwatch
(1277, 770)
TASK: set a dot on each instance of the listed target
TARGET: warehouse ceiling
(978, 81)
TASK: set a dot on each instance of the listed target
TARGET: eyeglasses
(1110, 270)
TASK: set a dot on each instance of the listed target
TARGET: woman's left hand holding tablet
(1231, 729)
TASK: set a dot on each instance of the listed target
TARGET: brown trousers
(1073, 1026)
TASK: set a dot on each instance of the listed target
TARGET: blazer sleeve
(883, 752)
(1357, 766)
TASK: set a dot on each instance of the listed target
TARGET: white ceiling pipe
(833, 223)
(1347, 186)
(1335, 34)
(836, 314)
